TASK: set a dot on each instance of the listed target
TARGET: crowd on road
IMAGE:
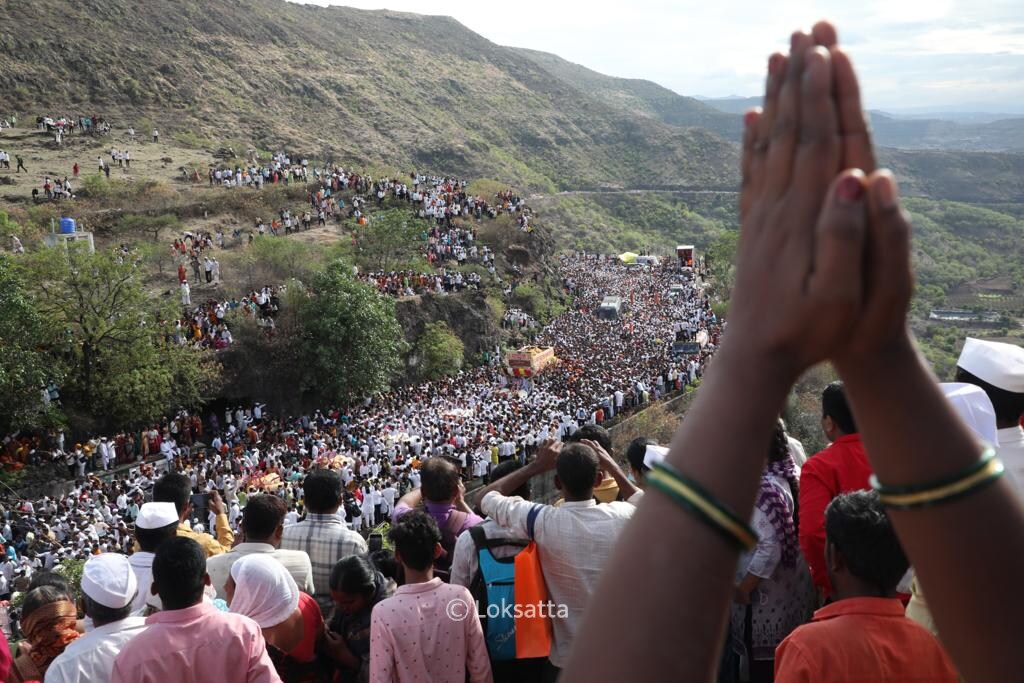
(377, 457)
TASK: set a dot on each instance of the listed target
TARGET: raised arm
(796, 298)
(967, 553)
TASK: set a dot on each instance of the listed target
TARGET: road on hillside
(569, 193)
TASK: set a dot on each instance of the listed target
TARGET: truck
(611, 308)
(687, 255)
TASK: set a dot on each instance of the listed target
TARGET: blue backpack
(493, 588)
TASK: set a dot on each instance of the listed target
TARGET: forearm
(722, 445)
(411, 499)
(913, 436)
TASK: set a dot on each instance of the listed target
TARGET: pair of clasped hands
(823, 264)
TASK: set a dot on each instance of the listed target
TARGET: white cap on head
(156, 515)
(974, 407)
(1001, 365)
(109, 580)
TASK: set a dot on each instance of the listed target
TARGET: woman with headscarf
(774, 593)
(48, 620)
(356, 586)
(260, 588)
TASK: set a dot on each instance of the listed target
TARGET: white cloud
(907, 50)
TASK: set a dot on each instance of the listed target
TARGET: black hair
(858, 528)
(322, 491)
(173, 488)
(592, 432)
(179, 572)
(439, 480)
(637, 451)
(1009, 407)
(262, 515)
(503, 469)
(778, 451)
(52, 579)
(101, 614)
(150, 539)
(40, 597)
(834, 405)
(415, 536)
(577, 467)
(354, 575)
(385, 562)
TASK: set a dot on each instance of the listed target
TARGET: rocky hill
(356, 86)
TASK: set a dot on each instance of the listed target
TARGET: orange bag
(533, 624)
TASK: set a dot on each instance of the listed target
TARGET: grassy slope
(357, 86)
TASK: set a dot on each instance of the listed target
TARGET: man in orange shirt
(863, 635)
(840, 468)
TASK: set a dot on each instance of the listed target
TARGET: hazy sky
(911, 53)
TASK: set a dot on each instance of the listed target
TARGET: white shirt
(91, 658)
(575, 542)
(142, 564)
(1011, 452)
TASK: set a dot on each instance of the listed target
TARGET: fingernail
(749, 117)
(850, 189)
(773, 64)
(886, 192)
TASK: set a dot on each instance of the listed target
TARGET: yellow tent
(628, 257)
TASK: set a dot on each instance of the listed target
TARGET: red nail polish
(850, 189)
(749, 117)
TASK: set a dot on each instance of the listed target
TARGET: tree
(150, 225)
(26, 367)
(352, 342)
(123, 366)
(439, 350)
(390, 238)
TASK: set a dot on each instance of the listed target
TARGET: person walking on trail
(156, 135)
(21, 164)
(186, 294)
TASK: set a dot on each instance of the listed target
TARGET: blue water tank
(67, 226)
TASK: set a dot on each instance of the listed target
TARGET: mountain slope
(356, 86)
(643, 97)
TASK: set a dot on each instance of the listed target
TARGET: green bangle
(883, 490)
(695, 499)
(976, 480)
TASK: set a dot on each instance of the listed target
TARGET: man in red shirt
(863, 635)
(841, 467)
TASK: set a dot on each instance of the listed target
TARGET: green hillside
(355, 86)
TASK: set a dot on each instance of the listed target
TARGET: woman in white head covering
(260, 588)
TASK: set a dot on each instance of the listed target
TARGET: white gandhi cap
(974, 407)
(156, 516)
(109, 580)
(1001, 365)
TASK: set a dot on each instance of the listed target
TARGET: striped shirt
(326, 539)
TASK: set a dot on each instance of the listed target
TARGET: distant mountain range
(924, 129)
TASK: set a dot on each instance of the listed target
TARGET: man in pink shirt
(191, 641)
(429, 630)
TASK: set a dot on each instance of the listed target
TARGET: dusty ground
(43, 157)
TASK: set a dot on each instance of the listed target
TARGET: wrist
(754, 367)
(883, 364)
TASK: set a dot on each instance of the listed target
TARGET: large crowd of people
(246, 563)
